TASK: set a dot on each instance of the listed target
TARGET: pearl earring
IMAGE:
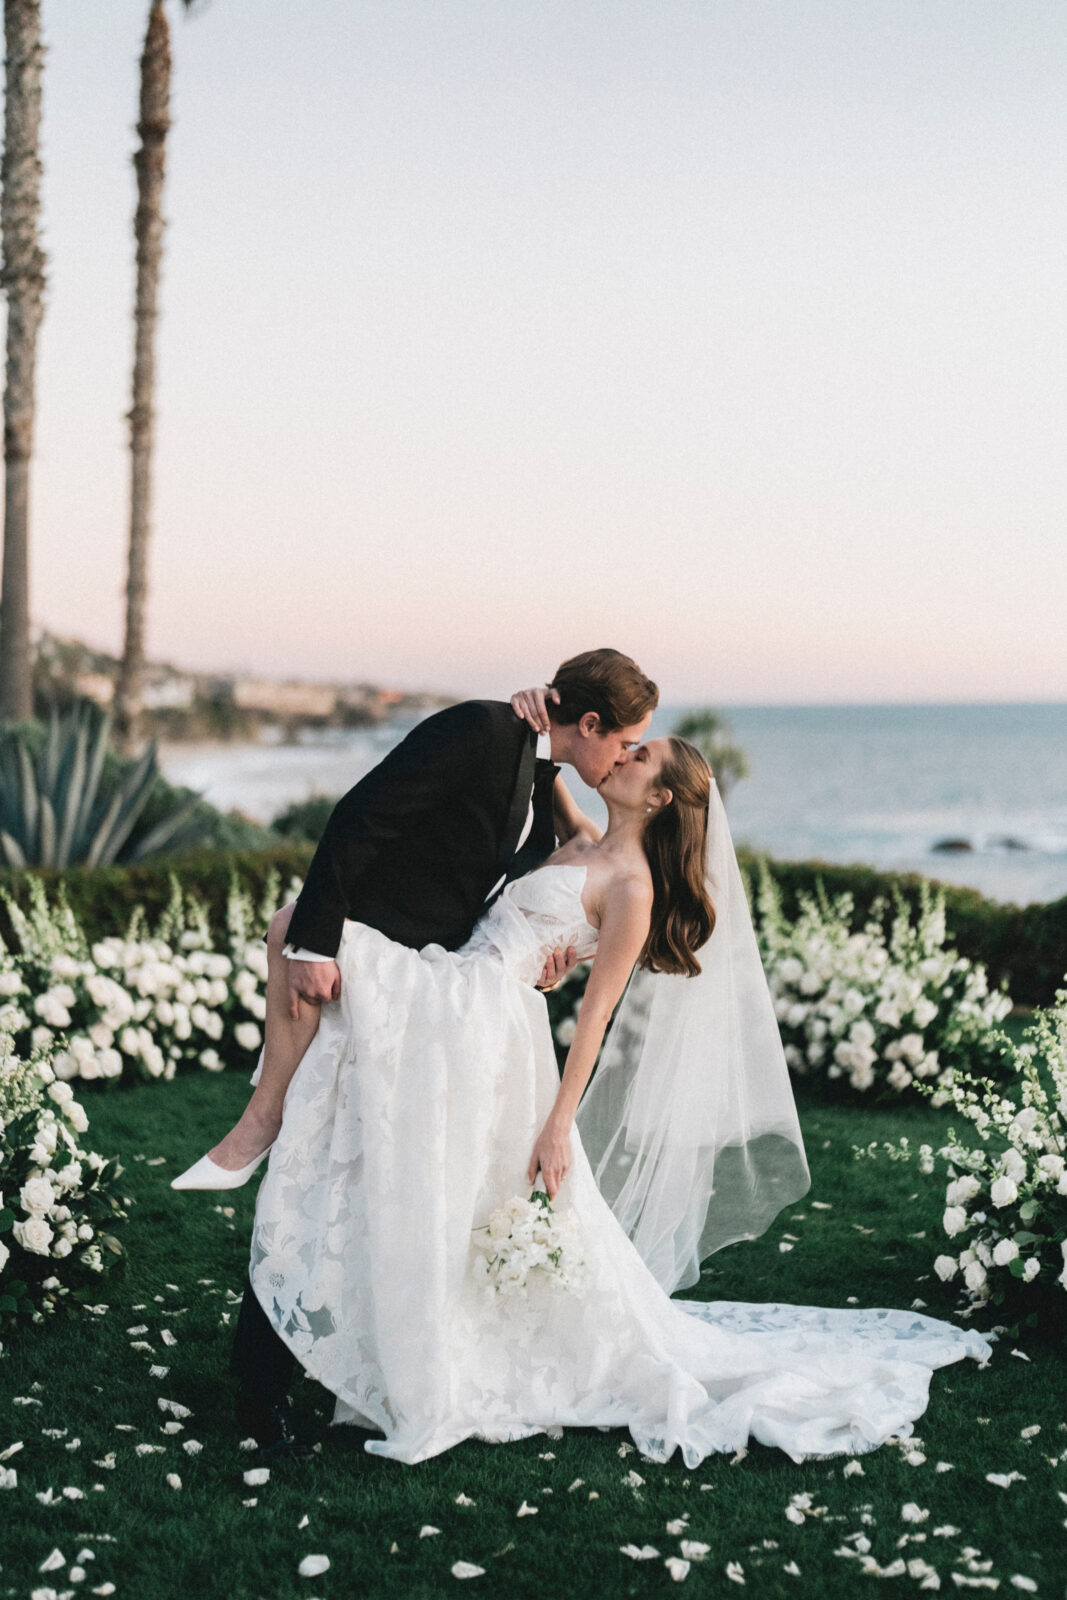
(647, 810)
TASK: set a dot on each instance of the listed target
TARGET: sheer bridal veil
(690, 1123)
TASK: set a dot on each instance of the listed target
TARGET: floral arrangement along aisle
(57, 1199)
(871, 1013)
(144, 1004)
(1006, 1176)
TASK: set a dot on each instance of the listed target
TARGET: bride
(393, 1248)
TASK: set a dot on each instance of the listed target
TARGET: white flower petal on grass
(1017, 1581)
(9, 1478)
(913, 1513)
(192, 1447)
(173, 1407)
(792, 1569)
(1004, 1480)
(158, 1372)
(1020, 1353)
(735, 1572)
(944, 1466)
(256, 1476)
(174, 1480)
(465, 1500)
(313, 1566)
(693, 1550)
(639, 1552)
(167, 1337)
(577, 1484)
(466, 1569)
(253, 1502)
(677, 1526)
(428, 1531)
(633, 1480)
(677, 1568)
(104, 1588)
(946, 1531)
(12, 1450)
(526, 1511)
(53, 1561)
(852, 1469)
(71, 1493)
(1031, 1432)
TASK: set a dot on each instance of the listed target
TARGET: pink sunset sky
(729, 334)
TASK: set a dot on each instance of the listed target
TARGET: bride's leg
(284, 1044)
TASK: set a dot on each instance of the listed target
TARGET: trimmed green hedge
(1025, 944)
(104, 898)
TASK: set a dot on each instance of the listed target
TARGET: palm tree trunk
(22, 278)
(148, 231)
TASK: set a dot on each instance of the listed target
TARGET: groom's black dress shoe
(270, 1424)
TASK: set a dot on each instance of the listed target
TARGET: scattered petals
(693, 1550)
(642, 1552)
(167, 1337)
(465, 1500)
(428, 1532)
(526, 1511)
(53, 1562)
(852, 1469)
(174, 1480)
(677, 1568)
(313, 1566)
(466, 1569)
(735, 1572)
(1004, 1480)
(256, 1476)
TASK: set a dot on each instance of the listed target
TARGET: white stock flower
(1004, 1191)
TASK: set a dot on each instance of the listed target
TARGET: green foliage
(305, 819)
(61, 803)
(713, 737)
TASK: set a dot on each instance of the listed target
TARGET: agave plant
(57, 808)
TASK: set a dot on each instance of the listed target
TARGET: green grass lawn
(216, 1536)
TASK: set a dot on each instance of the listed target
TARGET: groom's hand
(314, 982)
(532, 706)
(557, 967)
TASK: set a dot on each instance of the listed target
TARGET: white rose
(63, 1247)
(41, 1037)
(946, 1268)
(1062, 1279)
(1031, 1268)
(37, 1196)
(886, 1012)
(85, 1233)
(954, 1221)
(1013, 1164)
(898, 1077)
(1004, 1250)
(853, 1002)
(110, 1063)
(911, 1047)
(34, 1235)
(61, 1093)
(960, 1190)
(796, 1014)
(101, 1036)
(924, 1013)
(75, 1115)
(1004, 1191)
(70, 1176)
(164, 1013)
(1061, 1186)
(5, 1254)
(566, 1030)
(10, 983)
(210, 1060)
(862, 1033)
(64, 1065)
(1051, 1166)
(974, 1275)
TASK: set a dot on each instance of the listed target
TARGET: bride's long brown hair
(676, 844)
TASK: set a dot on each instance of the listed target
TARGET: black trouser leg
(261, 1362)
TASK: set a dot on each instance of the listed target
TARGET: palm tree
(149, 163)
(22, 278)
(713, 737)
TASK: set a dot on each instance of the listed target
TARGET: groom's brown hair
(607, 682)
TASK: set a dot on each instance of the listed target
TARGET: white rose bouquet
(527, 1241)
(1006, 1180)
(57, 1199)
(873, 1014)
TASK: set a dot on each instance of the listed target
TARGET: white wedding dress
(411, 1117)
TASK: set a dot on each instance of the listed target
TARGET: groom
(460, 807)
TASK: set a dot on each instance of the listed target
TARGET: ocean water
(875, 784)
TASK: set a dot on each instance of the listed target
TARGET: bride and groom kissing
(406, 984)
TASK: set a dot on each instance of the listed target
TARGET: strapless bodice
(532, 917)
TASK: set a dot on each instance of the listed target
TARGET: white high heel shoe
(207, 1174)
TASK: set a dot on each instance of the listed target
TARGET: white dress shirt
(543, 753)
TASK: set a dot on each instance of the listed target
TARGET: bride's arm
(569, 818)
(624, 925)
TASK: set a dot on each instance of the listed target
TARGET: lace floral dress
(410, 1119)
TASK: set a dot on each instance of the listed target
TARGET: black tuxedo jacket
(414, 848)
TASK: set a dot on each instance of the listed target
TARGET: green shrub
(104, 899)
(306, 819)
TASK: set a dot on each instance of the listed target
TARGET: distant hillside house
(285, 700)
